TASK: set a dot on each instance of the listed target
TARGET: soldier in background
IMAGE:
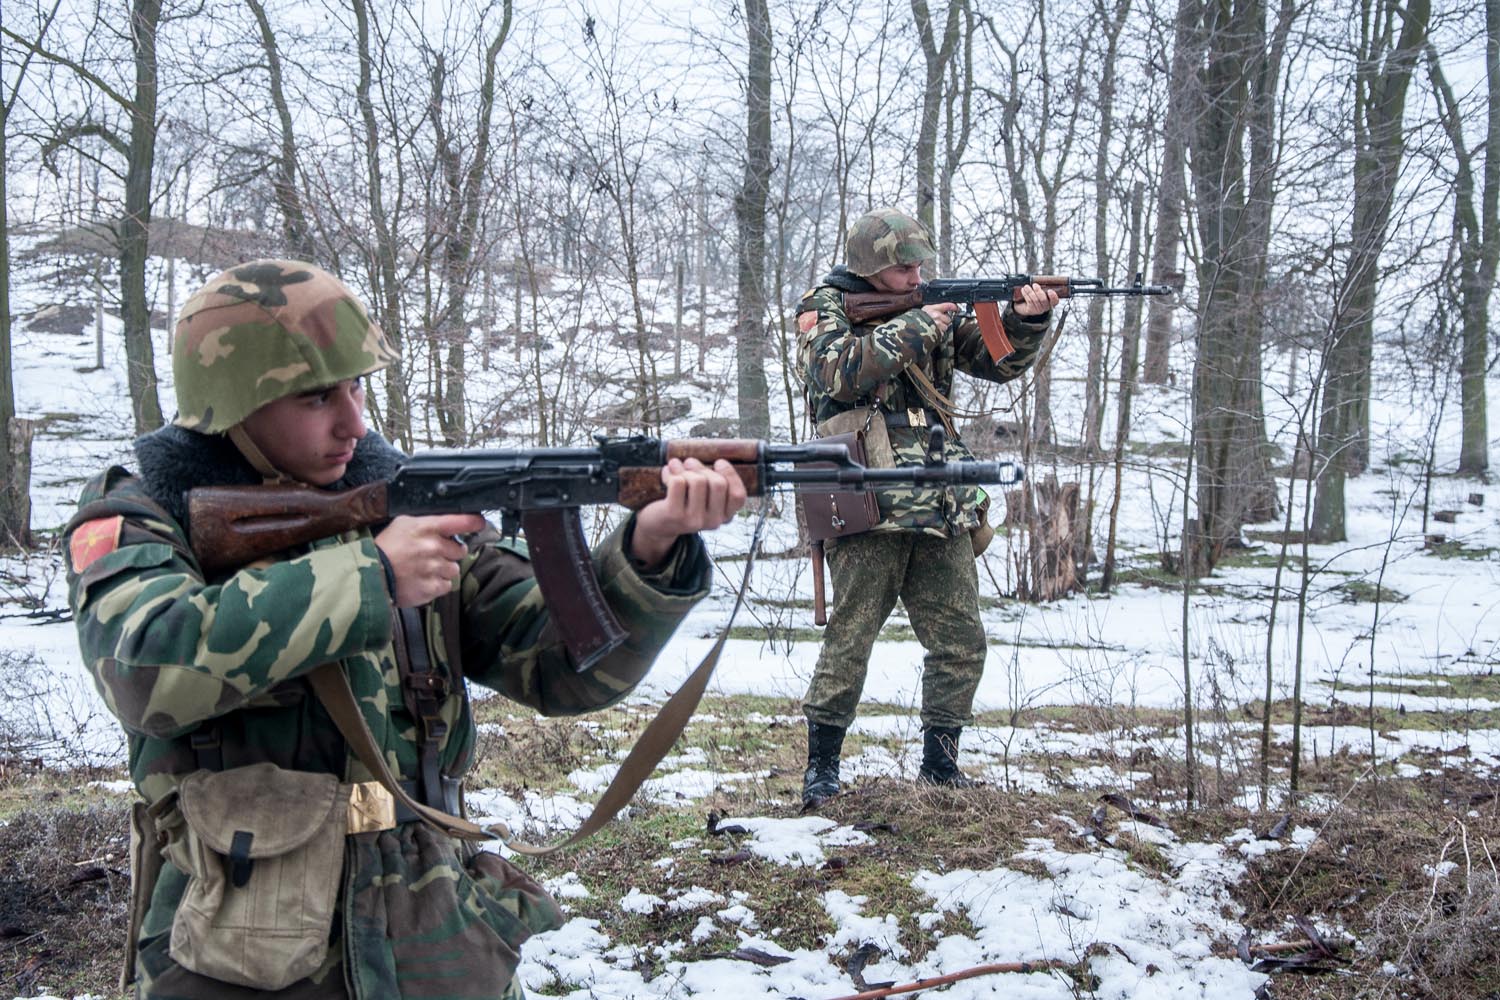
(924, 547)
(268, 882)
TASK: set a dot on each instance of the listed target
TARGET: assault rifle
(540, 492)
(983, 297)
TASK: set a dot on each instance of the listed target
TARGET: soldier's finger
(453, 524)
(736, 494)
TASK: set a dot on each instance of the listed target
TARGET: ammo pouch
(982, 534)
(263, 850)
(869, 422)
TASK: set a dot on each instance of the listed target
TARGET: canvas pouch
(145, 866)
(263, 850)
(869, 422)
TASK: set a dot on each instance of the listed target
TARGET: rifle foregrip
(1059, 283)
(230, 526)
(641, 485)
(710, 450)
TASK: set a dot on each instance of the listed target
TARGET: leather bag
(839, 514)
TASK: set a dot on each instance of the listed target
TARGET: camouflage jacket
(187, 663)
(848, 367)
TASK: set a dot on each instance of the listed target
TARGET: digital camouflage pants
(936, 580)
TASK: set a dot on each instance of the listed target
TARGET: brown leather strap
(332, 687)
(424, 691)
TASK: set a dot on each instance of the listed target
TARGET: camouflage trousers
(936, 580)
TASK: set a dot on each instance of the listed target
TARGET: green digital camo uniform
(921, 551)
(208, 673)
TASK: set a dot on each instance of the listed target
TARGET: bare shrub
(53, 718)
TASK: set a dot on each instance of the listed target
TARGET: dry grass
(1369, 876)
(64, 887)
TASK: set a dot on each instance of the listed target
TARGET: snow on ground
(1443, 617)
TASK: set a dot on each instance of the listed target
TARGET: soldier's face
(897, 279)
(311, 436)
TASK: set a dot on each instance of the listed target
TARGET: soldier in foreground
(893, 379)
(275, 877)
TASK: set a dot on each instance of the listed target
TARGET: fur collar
(173, 460)
(846, 280)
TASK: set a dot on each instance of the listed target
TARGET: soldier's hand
(424, 555)
(942, 314)
(698, 498)
(1035, 300)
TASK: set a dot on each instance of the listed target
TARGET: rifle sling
(332, 688)
(947, 409)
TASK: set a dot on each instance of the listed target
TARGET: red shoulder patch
(93, 539)
(807, 321)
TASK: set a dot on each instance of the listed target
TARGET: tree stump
(15, 503)
(1049, 512)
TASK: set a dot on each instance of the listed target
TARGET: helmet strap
(255, 456)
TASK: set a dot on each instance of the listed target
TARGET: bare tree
(284, 183)
(1391, 35)
(1234, 159)
(750, 214)
(1175, 129)
(381, 258)
(136, 147)
(958, 101)
(937, 54)
(1109, 21)
(15, 450)
(1476, 232)
(464, 190)
(1038, 146)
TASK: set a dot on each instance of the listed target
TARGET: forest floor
(1381, 883)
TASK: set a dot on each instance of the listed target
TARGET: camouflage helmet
(267, 329)
(886, 238)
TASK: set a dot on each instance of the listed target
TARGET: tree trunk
(937, 57)
(294, 228)
(958, 103)
(1477, 233)
(15, 499)
(1175, 130)
(134, 228)
(1110, 21)
(381, 259)
(1234, 97)
(1049, 512)
(1130, 339)
(1343, 436)
(750, 214)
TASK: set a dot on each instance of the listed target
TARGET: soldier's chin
(327, 474)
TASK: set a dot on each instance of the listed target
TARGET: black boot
(940, 758)
(822, 778)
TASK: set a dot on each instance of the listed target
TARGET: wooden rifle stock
(820, 601)
(231, 526)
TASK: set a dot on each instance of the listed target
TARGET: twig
(953, 977)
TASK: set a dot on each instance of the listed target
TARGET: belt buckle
(916, 417)
(372, 808)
